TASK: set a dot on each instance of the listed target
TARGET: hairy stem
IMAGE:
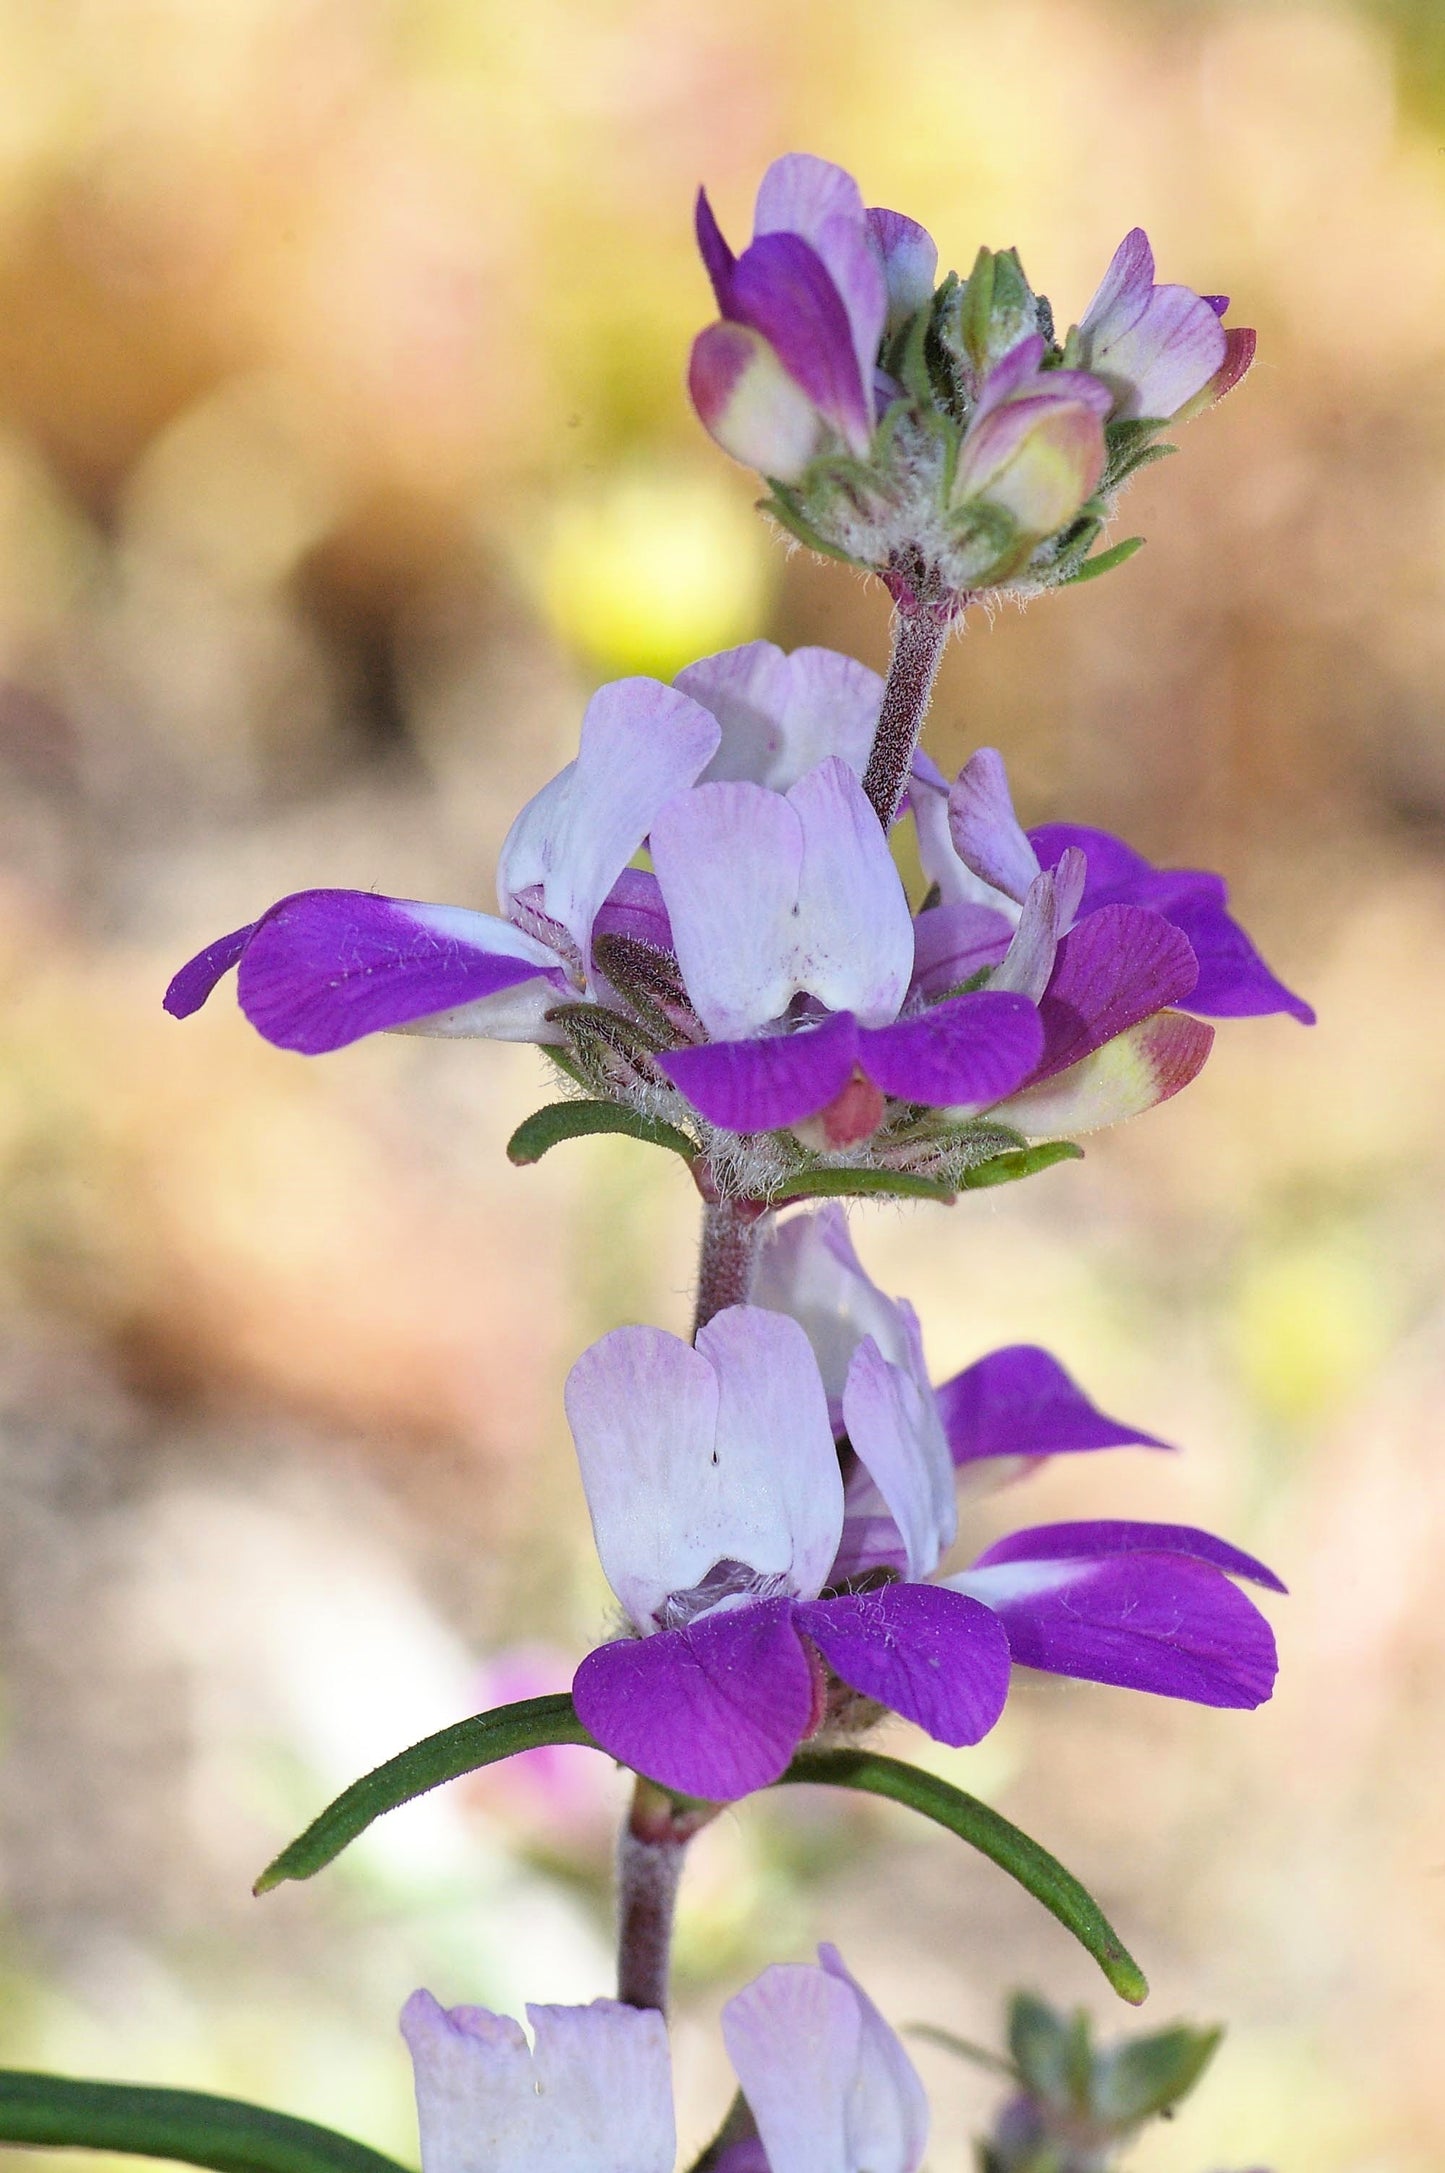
(725, 1260)
(920, 631)
(650, 1851)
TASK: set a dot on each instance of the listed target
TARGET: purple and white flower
(1034, 446)
(760, 1570)
(1162, 351)
(828, 2083)
(789, 369)
(987, 869)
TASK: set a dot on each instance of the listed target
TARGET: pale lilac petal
(854, 943)
(807, 196)
(1048, 913)
(888, 2125)
(1131, 1074)
(194, 982)
(1155, 347)
(729, 858)
(773, 895)
(1119, 966)
(594, 2097)
(794, 2036)
(715, 1710)
(806, 1267)
(1234, 981)
(963, 1053)
(1104, 1536)
(782, 289)
(986, 833)
(951, 943)
(827, 2081)
(1158, 1622)
(691, 1458)
(915, 1649)
(893, 1423)
(325, 967)
(1038, 458)
(749, 404)
(1021, 1402)
(1127, 284)
(769, 1084)
(781, 715)
(910, 262)
(641, 743)
(955, 883)
(717, 257)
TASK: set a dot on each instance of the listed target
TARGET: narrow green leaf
(875, 1183)
(1104, 561)
(546, 1128)
(985, 1830)
(1006, 1169)
(186, 2124)
(470, 1744)
(963, 2048)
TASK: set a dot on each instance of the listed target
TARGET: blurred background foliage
(343, 449)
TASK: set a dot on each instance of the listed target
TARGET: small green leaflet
(546, 1128)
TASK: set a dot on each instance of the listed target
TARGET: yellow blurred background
(343, 450)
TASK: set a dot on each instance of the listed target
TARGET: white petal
(771, 895)
(827, 2081)
(806, 1267)
(781, 715)
(641, 743)
(694, 1457)
(855, 931)
(1047, 916)
(594, 2097)
(893, 1423)
(729, 859)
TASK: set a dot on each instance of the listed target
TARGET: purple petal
(917, 1651)
(715, 1710)
(986, 833)
(325, 967)
(1156, 1622)
(1128, 282)
(766, 1085)
(634, 908)
(1119, 966)
(910, 262)
(1123, 1535)
(953, 942)
(749, 404)
(717, 257)
(1234, 981)
(967, 1051)
(1156, 347)
(807, 196)
(782, 289)
(1020, 1402)
(198, 976)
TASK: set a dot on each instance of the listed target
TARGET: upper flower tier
(766, 981)
(942, 436)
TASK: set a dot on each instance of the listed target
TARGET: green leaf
(1149, 2074)
(1042, 2042)
(1006, 1169)
(1104, 561)
(984, 1829)
(470, 1744)
(186, 2124)
(546, 1128)
(841, 1184)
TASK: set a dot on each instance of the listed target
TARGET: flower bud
(746, 400)
(994, 310)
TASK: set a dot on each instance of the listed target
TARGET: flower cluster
(941, 435)
(765, 983)
(702, 921)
